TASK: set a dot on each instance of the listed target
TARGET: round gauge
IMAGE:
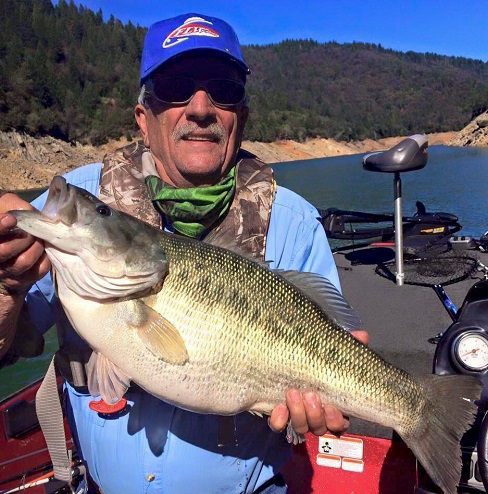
(471, 351)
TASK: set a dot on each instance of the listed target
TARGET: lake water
(454, 181)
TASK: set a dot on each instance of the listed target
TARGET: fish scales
(222, 334)
(284, 339)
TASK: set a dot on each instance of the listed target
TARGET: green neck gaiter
(192, 210)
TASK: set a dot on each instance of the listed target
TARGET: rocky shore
(474, 134)
(323, 148)
(26, 162)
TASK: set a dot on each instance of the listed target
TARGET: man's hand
(306, 411)
(23, 260)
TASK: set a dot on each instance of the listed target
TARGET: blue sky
(446, 27)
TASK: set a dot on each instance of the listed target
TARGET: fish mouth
(60, 208)
(60, 204)
(90, 250)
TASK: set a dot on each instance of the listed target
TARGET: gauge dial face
(471, 350)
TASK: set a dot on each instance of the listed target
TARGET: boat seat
(408, 155)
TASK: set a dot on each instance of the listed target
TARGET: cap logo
(194, 26)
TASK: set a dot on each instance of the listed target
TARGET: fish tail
(448, 411)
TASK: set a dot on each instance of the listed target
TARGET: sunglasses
(179, 90)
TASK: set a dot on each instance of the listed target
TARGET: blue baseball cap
(171, 37)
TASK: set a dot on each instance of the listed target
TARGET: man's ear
(141, 119)
(244, 115)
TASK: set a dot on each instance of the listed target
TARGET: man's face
(194, 143)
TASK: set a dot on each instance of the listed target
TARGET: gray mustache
(184, 130)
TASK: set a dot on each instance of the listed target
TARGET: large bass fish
(210, 331)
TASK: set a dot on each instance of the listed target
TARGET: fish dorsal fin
(106, 379)
(324, 293)
(161, 338)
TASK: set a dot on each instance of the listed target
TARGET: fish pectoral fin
(106, 379)
(292, 436)
(161, 338)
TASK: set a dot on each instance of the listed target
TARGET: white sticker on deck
(341, 452)
(352, 465)
(350, 447)
(329, 460)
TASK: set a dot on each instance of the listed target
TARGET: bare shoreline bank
(274, 152)
(26, 162)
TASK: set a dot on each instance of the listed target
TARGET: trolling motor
(408, 155)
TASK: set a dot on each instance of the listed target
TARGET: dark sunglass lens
(174, 89)
(226, 91)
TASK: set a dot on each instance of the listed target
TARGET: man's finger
(279, 418)
(314, 410)
(13, 244)
(336, 422)
(7, 221)
(298, 416)
(361, 335)
(10, 201)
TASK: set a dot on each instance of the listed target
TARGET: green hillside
(66, 72)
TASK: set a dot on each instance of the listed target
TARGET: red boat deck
(351, 464)
(24, 457)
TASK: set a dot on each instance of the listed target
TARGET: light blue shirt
(157, 447)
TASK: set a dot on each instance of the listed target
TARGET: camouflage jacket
(122, 186)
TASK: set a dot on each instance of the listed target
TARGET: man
(188, 175)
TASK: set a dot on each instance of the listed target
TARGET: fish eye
(103, 210)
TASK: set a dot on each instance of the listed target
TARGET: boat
(25, 463)
(416, 321)
(416, 327)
